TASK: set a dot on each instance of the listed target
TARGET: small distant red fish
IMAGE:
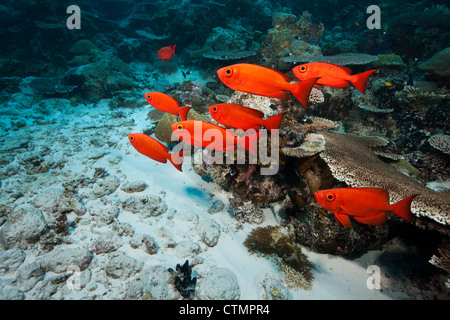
(207, 135)
(155, 150)
(332, 75)
(166, 53)
(265, 82)
(240, 117)
(165, 103)
(366, 205)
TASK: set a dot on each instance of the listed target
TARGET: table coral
(228, 55)
(441, 142)
(344, 59)
(351, 160)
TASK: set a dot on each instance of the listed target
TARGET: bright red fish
(332, 75)
(240, 117)
(155, 150)
(207, 135)
(165, 54)
(265, 82)
(366, 205)
(166, 103)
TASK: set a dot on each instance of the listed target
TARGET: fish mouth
(316, 195)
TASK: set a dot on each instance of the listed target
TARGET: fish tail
(273, 122)
(173, 49)
(183, 112)
(302, 89)
(359, 80)
(403, 207)
(249, 142)
(176, 159)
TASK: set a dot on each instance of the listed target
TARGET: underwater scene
(198, 150)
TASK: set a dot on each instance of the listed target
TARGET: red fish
(207, 135)
(166, 103)
(265, 82)
(240, 117)
(155, 150)
(332, 75)
(165, 54)
(366, 205)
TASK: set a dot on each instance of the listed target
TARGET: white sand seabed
(185, 192)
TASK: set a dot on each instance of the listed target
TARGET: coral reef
(69, 97)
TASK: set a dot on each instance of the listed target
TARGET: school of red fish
(366, 205)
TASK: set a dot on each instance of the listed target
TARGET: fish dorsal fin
(162, 146)
(253, 112)
(347, 70)
(343, 220)
(380, 192)
(375, 220)
(287, 78)
(281, 74)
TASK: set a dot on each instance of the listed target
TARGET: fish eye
(229, 71)
(148, 96)
(131, 138)
(303, 68)
(329, 196)
(180, 127)
(215, 109)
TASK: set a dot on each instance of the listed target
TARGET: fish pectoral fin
(375, 220)
(343, 220)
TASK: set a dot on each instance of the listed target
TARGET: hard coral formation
(276, 245)
(368, 102)
(163, 130)
(312, 144)
(291, 36)
(228, 55)
(99, 80)
(344, 59)
(439, 64)
(352, 161)
(442, 260)
(388, 60)
(194, 94)
(421, 100)
(315, 173)
(440, 142)
(107, 64)
(235, 42)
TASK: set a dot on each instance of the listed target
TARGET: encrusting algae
(273, 243)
